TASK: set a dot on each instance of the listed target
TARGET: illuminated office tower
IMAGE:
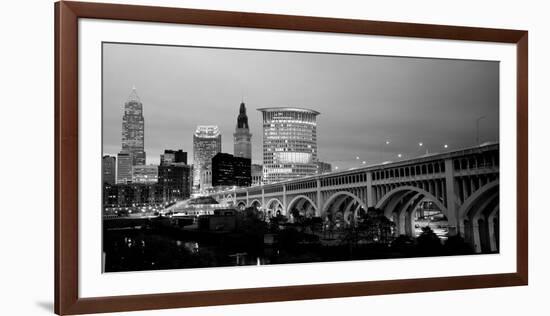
(242, 146)
(207, 142)
(133, 134)
(289, 143)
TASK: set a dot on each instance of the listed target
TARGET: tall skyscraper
(207, 142)
(242, 137)
(206, 179)
(109, 169)
(124, 167)
(133, 126)
(289, 143)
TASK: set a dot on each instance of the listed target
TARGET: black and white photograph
(222, 157)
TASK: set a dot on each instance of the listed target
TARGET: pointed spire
(242, 109)
(133, 95)
(242, 119)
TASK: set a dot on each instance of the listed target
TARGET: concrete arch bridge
(463, 184)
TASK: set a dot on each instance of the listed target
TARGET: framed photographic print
(213, 157)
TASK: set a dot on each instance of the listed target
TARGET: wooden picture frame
(67, 14)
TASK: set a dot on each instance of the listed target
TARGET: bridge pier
(452, 207)
(370, 195)
(493, 229)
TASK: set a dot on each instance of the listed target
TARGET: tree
(428, 243)
(276, 221)
(250, 222)
(404, 245)
(456, 245)
(375, 227)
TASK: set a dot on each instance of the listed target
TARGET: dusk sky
(363, 100)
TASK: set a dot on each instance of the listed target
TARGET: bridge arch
(478, 218)
(401, 192)
(482, 193)
(351, 205)
(255, 203)
(274, 205)
(299, 198)
(241, 205)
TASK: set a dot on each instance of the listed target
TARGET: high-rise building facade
(124, 167)
(171, 156)
(257, 175)
(289, 143)
(206, 179)
(242, 145)
(174, 181)
(145, 174)
(109, 169)
(228, 170)
(133, 129)
(207, 142)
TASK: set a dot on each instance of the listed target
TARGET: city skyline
(381, 133)
(308, 112)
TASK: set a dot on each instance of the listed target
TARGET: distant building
(110, 195)
(228, 170)
(124, 167)
(257, 176)
(289, 143)
(242, 146)
(221, 220)
(171, 156)
(174, 181)
(207, 142)
(145, 174)
(133, 129)
(130, 195)
(242, 171)
(109, 169)
(323, 167)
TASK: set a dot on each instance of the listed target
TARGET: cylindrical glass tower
(289, 143)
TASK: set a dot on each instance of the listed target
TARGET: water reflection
(133, 250)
